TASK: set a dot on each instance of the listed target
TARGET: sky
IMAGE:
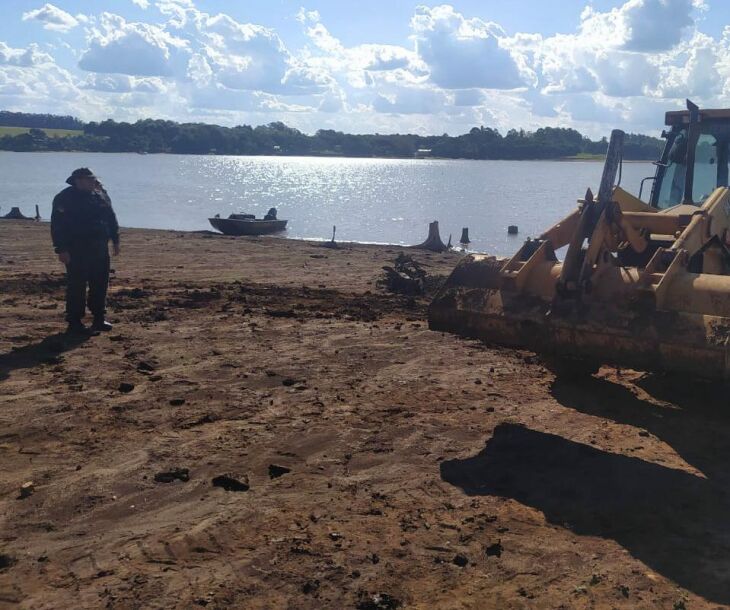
(381, 66)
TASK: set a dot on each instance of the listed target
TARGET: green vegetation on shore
(48, 131)
(158, 136)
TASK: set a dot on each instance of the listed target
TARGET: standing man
(82, 223)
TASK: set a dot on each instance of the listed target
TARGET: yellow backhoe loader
(644, 286)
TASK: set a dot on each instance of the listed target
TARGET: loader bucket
(618, 325)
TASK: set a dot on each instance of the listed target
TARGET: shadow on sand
(675, 522)
(46, 351)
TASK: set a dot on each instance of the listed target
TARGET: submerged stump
(15, 214)
(433, 241)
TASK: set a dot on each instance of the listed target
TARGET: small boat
(246, 224)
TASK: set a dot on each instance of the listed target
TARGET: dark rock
(176, 402)
(145, 367)
(6, 561)
(126, 387)
(288, 382)
(277, 471)
(461, 561)
(335, 536)
(495, 550)
(168, 476)
(478, 382)
(228, 483)
(280, 313)
(310, 586)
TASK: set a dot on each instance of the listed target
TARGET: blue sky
(376, 66)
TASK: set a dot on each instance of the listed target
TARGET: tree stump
(15, 214)
(433, 241)
(332, 243)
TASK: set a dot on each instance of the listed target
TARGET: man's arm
(59, 227)
(111, 220)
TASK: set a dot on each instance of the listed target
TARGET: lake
(369, 200)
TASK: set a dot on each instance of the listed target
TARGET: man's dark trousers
(89, 265)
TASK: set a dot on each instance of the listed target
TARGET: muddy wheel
(570, 368)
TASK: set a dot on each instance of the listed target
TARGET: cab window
(706, 168)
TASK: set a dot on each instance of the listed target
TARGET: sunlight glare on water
(369, 200)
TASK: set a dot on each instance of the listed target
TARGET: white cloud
(52, 18)
(136, 49)
(31, 56)
(411, 100)
(143, 4)
(464, 53)
(122, 83)
(641, 25)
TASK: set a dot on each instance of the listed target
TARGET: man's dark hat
(81, 172)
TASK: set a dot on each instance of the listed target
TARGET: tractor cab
(694, 161)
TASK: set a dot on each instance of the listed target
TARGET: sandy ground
(385, 466)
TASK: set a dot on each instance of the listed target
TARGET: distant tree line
(158, 136)
(48, 121)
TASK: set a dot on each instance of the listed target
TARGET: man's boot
(76, 327)
(101, 325)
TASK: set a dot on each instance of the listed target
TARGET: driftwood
(405, 277)
(433, 241)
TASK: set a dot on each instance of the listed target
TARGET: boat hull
(231, 226)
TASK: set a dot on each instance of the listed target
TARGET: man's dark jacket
(80, 219)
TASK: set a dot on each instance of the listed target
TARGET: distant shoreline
(575, 159)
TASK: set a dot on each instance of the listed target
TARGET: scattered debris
(176, 474)
(277, 471)
(405, 277)
(229, 483)
(27, 489)
(6, 561)
(495, 550)
(379, 601)
(310, 586)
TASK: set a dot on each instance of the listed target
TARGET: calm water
(370, 200)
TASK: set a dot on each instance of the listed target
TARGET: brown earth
(411, 469)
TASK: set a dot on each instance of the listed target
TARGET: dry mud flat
(266, 428)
